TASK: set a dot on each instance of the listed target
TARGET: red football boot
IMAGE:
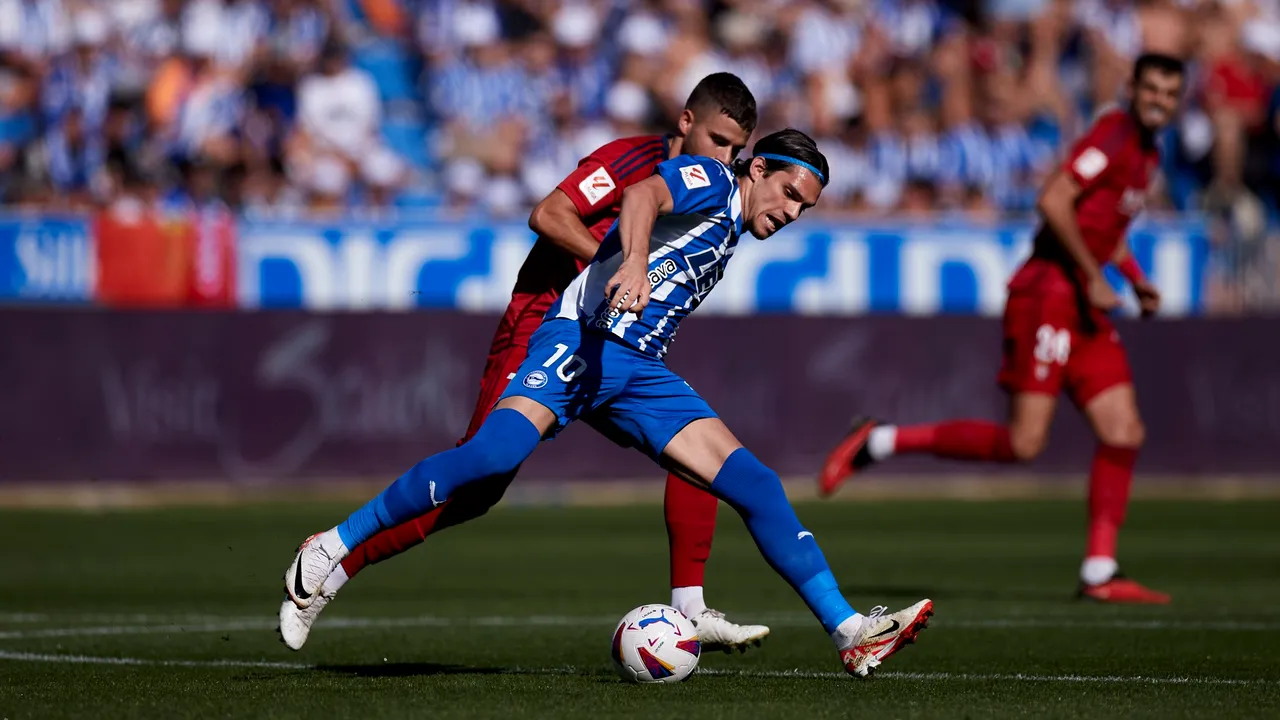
(1120, 589)
(849, 456)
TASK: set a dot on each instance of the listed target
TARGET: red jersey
(1112, 165)
(595, 188)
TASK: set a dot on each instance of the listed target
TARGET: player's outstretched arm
(557, 219)
(642, 203)
(1057, 204)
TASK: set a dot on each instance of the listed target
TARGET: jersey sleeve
(591, 186)
(1094, 156)
(597, 183)
(698, 185)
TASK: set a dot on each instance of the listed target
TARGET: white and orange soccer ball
(655, 644)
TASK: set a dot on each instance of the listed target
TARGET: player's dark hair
(727, 93)
(783, 145)
(1166, 64)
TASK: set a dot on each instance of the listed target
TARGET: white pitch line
(124, 618)
(91, 660)
(215, 624)
(108, 630)
(260, 623)
(23, 617)
(569, 670)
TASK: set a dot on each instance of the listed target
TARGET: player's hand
(628, 289)
(1148, 298)
(1101, 295)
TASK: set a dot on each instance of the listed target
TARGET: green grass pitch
(170, 613)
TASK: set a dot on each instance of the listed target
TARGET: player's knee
(1126, 432)
(504, 441)
(1027, 443)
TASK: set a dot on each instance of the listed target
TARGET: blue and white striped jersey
(688, 251)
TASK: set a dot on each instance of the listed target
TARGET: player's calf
(1122, 433)
(756, 493)
(1026, 443)
(504, 442)
(1113, 415)
(468, 503)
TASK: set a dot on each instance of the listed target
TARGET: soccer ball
(655, 644)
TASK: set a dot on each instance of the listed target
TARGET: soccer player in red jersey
(1057, 334)
(717, 121)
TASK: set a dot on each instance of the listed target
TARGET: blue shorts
(629, 397)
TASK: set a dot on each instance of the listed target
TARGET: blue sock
(503, 442)
(756, 493)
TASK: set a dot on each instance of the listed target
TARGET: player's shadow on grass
(409, 669)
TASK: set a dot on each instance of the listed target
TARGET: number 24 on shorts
(1052, 345)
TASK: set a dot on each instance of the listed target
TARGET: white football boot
(295, 622)
(717, 633)
(883, 635)
(316, 559)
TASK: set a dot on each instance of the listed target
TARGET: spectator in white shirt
(242, 27)
(743, 35)
(338, 133)
(32, 31)
(1114, 37)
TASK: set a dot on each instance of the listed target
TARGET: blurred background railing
(826, 266)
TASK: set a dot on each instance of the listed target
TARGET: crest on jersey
(596, 186)
(535, 380)
(1090, 163)
(694, 177)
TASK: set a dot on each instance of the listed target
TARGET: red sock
(691, 523)
(392, 542)
(957, 440)
(468, 503)
(1109, 483)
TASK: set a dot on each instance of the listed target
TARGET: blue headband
(792, 161)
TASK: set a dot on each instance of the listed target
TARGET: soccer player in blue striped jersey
(598, 357)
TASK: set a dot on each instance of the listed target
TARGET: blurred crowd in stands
(923, 106)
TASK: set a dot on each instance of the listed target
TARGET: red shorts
(509, 348)
(1046, 349)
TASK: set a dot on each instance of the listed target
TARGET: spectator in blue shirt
(586, 71)
(483, 102)
(81, 78)
(75, 155)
